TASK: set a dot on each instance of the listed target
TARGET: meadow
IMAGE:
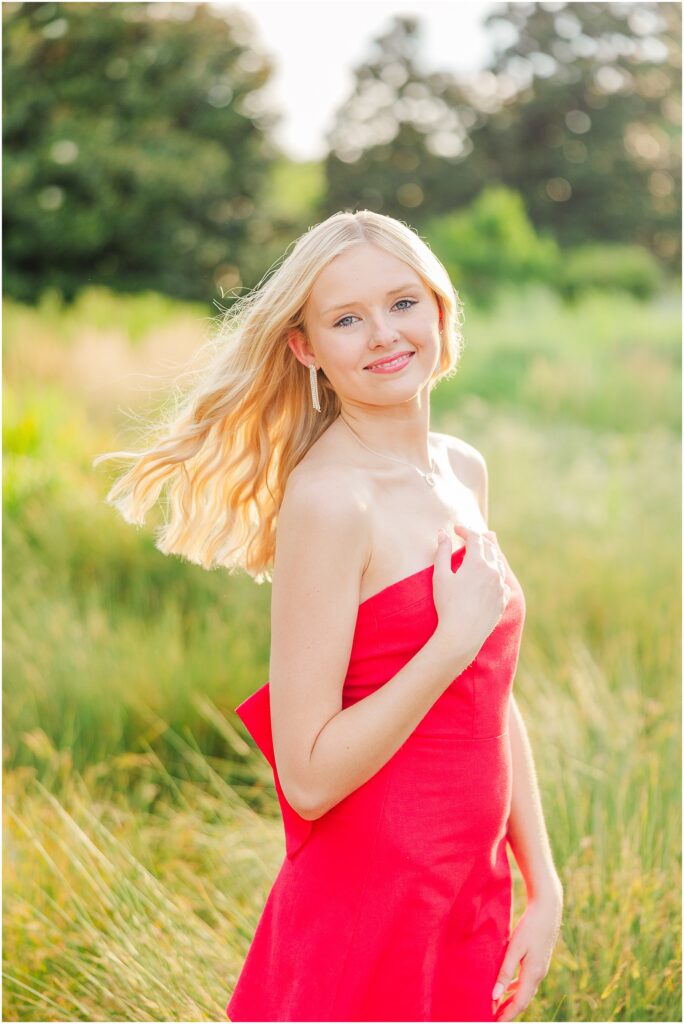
(141, 832)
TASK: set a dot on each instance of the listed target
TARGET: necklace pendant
(430, 479)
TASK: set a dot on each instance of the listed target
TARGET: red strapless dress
(395, 905)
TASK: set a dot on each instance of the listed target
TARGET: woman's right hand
(470, 601)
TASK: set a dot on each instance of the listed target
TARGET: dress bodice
(391, 627)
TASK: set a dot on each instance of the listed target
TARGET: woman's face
(365, 306)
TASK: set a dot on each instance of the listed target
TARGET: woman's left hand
(531, 945)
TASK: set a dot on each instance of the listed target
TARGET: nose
(383, 332)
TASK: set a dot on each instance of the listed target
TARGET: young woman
(400, 758)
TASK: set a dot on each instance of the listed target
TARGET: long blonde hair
(229, 446)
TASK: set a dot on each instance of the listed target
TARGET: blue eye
(412, 302)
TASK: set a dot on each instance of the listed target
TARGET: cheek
(347, 356)
(428, 337)
(342, 360)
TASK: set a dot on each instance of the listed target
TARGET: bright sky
(315, 44)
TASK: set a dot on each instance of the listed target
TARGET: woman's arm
(323, 751)
(527, 833)
(535, 935)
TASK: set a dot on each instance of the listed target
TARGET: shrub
(490, 243)
(630, 268)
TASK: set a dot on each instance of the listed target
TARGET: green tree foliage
(588, 127)
(579, 111)
(136, 148)
(399, 142)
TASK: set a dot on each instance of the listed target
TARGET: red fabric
(396, 904)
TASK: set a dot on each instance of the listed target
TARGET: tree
(579, 111)
(400, 142)
(136, 148)
(585, 114)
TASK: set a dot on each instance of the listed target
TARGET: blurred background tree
(136, 148)
(398, 144)
(584, 119)
(579, 111)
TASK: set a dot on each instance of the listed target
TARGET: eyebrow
(393, 291)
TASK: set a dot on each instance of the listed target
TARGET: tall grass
(141, 833)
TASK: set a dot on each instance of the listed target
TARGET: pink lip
(387, 359)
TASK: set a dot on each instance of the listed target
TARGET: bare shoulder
(324, 504)
(329, 485)
(469, 466)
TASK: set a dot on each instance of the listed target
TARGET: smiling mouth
(388, 363)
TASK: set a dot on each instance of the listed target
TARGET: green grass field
(141, 831)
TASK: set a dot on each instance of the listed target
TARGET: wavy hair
(228, 447)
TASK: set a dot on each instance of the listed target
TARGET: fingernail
(498, 989)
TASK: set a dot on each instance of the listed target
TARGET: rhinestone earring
(313, 380)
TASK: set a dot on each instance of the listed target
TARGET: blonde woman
(399, 756)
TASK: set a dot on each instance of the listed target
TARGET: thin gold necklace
(428, 477)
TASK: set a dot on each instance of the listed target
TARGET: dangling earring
(313, 380)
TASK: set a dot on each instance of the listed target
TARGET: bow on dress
(255, 714)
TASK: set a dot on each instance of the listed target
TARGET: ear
(297, 341)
